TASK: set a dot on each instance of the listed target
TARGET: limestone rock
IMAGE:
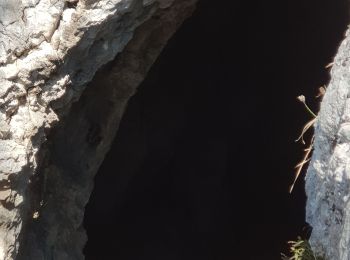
(51, 147)
(328, 175)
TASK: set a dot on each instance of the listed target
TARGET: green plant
(301, 250)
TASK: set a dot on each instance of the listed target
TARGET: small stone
(344, 133)
(35, 215)
(4, 194)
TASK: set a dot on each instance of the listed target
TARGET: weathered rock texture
(51, 147)
(328, 176)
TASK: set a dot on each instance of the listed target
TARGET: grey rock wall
(328, 175)
(54, 129)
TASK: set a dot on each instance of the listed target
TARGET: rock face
(328, 176)
(54, 129)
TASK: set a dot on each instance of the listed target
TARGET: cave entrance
(205, 152)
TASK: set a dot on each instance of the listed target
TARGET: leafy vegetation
(301, 250)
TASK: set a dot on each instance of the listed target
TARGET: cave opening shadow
(202, 160)
(164, 185)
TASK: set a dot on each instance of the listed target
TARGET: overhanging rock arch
(45, 67)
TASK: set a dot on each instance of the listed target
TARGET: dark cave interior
(204, 155)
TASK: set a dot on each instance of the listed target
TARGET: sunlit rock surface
(51, 147)
(328, 176)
